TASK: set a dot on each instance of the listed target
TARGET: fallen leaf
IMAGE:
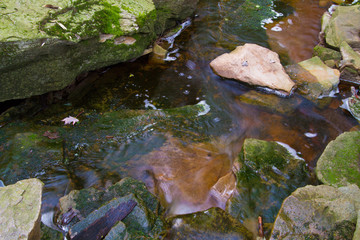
(51, 135)
(69, 120)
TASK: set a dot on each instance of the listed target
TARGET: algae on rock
(339, 163)
(213, 223)
(318, 212)
(20, 206)
(43, 49)
(267, 174)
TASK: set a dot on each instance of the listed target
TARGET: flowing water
(183, 170)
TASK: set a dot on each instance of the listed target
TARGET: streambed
(125, 128)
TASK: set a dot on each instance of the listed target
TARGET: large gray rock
(255, 65)
(44, 44)
(20, 206)
(343, 26)
(318, 212)
(339, 163)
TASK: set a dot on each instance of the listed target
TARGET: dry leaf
(69, 120)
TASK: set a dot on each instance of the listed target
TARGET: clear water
(182, 171)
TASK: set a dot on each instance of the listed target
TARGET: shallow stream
(183, 160)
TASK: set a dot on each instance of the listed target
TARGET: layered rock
(339, 163)
(20, 206)
(82, 209)
(318, 212)
(45, 45)
(254, 65)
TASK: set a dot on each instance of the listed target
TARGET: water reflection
(186, 173)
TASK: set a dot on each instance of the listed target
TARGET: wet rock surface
(339, 163)
(213, 223)
(20, 205)
(255, 65)
(45, 46)
(267, 173)
(143, 219)
(318, 212)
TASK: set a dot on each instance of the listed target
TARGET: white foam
(205, 106)
(310, 135)
(290, 150)
(148, 104)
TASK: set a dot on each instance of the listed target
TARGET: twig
(261, 229)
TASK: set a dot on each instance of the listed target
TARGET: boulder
(318, 212)
(213, 223)
(254, 65)
(314, 78)
(20, 206)
(45, 45)
(268, 173)
(343, 26)
(339, 163)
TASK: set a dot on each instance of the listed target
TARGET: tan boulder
(254, 65)
(20, 206)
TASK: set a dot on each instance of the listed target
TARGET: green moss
(339, 163)
(84, 20)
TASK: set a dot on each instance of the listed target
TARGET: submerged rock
(26, 156)
(20, 206)
(255, 65)
(339, 163)
(266, 175)
(184, 175)
(43, 46)
(269, 101)
(318, 212)
(211, 224)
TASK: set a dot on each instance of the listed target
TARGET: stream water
(182, 170)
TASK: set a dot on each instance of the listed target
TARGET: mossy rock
(339, 163)
(343, 27)
(326, 54)
(24, 156)
(46, 44)
(144, 220)
(213, 223)
(267, 174)
(318, 212)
